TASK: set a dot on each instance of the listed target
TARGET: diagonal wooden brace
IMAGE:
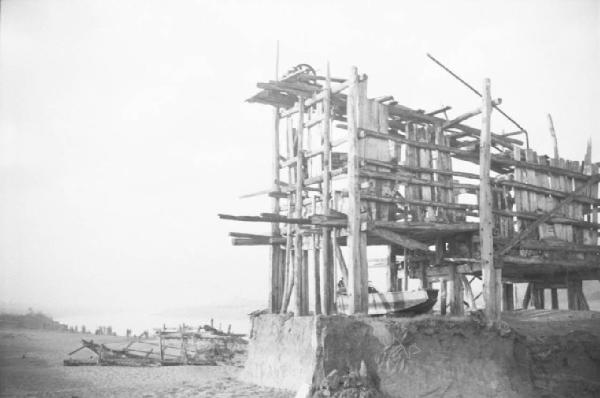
(548, 215)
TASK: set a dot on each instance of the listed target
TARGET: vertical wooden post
(508, 303)
(316, 264)
(574, 289)
(317, 272)
(327, 268)
(277, 268)
(290, 273)
(305, 298)
(406, 271)
(299, 275)
(457, 306)
(443, 294)
(527, 296)
(554, 298)
(553, 134)
(275, 271)
(538, 297)
(491, 276)
(358, 280)
(162, 348)
(392, 270)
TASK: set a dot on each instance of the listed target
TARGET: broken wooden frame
(353, 171)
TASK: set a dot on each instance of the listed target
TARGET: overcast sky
(123, 127)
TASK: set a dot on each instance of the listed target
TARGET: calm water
(138, 321)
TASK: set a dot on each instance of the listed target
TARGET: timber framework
(354, 171)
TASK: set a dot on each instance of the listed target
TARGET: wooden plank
(427, 194)
(411, 191)
(358, 280)
(559, 230)
(400, 240)
(490, 275)
(444, 163)
(339, 257)
(548, 215)
(545, 231)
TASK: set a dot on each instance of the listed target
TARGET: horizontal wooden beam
(424, 226)
(257, 242)
(549, 245)
(547, 191)
(399, 239)
(417, 169)
(409, 179)
(417, 202)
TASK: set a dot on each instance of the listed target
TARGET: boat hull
(394, 303)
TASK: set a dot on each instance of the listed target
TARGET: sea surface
(140, 321)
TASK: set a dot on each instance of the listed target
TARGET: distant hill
(31, 320)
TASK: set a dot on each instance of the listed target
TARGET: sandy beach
(31, 365)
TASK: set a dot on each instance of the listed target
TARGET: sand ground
(31, 365)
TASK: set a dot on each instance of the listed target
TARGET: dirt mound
(531, 355)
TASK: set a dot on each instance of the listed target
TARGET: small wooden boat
(406, 303)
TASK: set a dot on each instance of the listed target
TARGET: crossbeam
(400, 240)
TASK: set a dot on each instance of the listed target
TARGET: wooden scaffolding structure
(354, 171)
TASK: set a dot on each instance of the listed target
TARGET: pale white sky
(123, 127)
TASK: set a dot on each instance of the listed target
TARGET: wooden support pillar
(317, 272)
(305, 299)
(527, 297)
(298, 251)
(392, 270)
(538, 297)
(327, 267)
(490, 275)
(358, 278)
(443, 295)
(276, 271)
(574, 290)
(457, 306)
(423, 276)
(508, 299)
(406, 272)
(290, 272)
(554, 298)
